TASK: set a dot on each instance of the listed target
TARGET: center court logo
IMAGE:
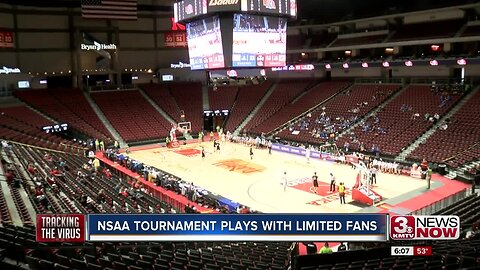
(240, 166)
(424, 227)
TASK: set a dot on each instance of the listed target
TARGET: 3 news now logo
(424, 227)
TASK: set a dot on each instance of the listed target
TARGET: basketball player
(332, 183)
(203, 153)
(307, 154)
(315, 182)
(218, 146)
(251, 153)
(284, 181)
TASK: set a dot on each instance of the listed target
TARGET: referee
(332, 182)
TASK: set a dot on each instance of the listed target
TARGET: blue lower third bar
(252, 227)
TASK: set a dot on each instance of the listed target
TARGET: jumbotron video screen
(205, 47)
(259, 41)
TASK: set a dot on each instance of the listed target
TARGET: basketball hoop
(184, 127)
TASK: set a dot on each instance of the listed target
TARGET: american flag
(109, 9)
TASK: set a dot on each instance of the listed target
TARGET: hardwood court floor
(258, 183)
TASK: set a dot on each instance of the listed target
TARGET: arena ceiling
(327, 11)
(313, 11)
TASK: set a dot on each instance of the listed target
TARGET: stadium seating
(132, 116)
(322, 40)
(5, 217)
(247, 98)
(306, 101)
(68, 106)
(471, 30)
(63, 197)
(402, 127)
(160, 93)
(436, 29)
(468, 210)
(460, 142)
(22, 124)
(295, 42)
(358, 40)
(349, 105)
(147, 255)
(189, 99)
(222, 98)
(283, 93)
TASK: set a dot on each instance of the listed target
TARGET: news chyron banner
(212, 227)
(424, 227)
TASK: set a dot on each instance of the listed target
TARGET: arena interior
(156, 107)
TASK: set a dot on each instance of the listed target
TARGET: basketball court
(258, 182)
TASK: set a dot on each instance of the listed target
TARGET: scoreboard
(272, 7)
(186, 10)
(236, 33)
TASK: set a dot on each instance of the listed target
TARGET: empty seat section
(247, 98)
(283, 93)
(132, 116)
(460, 142)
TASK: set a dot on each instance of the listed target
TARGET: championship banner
(175, 39)
(6, 39)
(232, 227)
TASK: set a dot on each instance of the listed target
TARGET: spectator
(326, 249)
(342, 247)
(5, 145)
(31, 169)
(108, 174)
(10, 177)
(97, 145)
(427, 116)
